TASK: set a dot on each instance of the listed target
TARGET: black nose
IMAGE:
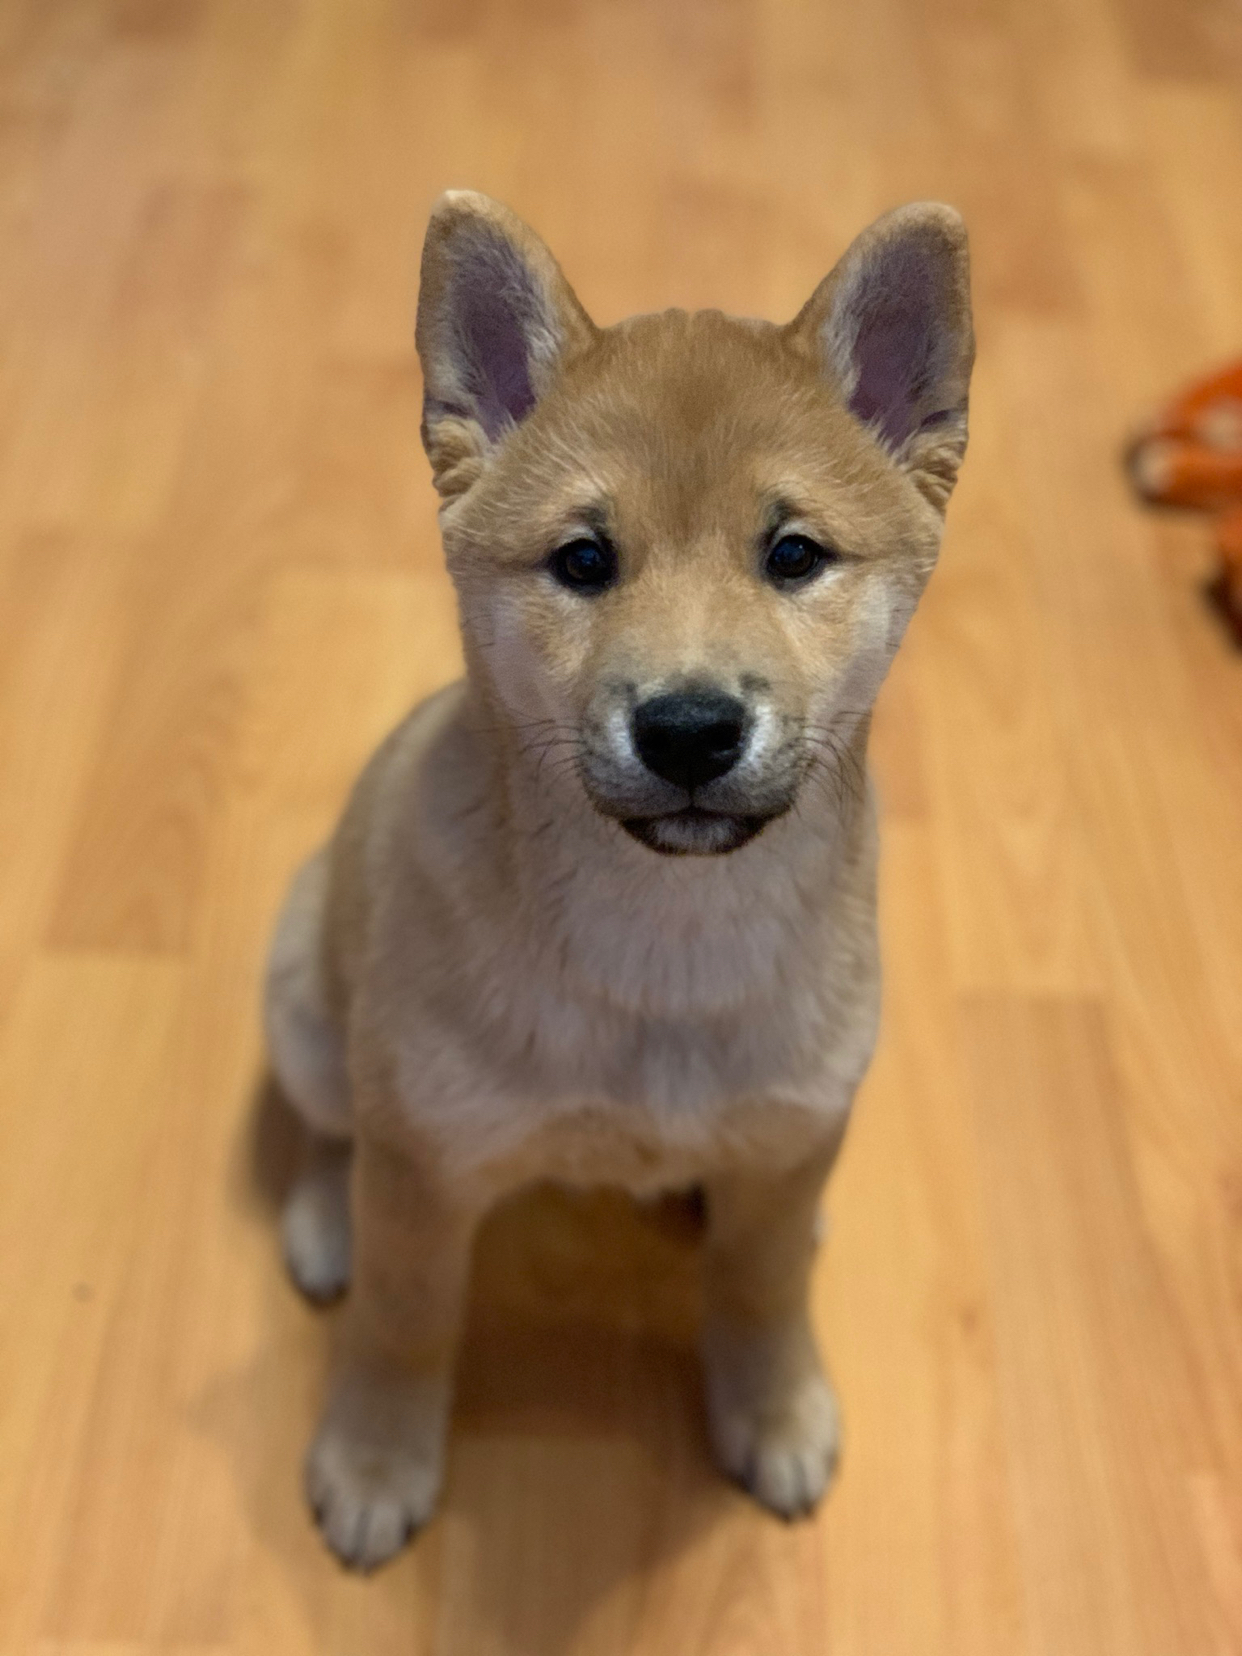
(691, 736)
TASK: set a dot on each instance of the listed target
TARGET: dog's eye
(794, 559)
(584, 565)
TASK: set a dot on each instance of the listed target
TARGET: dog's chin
(694, 833)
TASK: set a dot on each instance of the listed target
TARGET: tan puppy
(605, 910)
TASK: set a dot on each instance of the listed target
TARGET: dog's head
(686, 547)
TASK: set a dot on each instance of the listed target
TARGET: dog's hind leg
(315, 1224)
(307, 1051)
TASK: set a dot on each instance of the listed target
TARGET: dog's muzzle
(675, 773)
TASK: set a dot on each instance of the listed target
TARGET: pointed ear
(495, 319)
(891, 325)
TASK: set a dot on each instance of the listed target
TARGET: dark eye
(795, 558)
(584, 565)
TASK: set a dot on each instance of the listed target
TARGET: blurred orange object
(1191, 456)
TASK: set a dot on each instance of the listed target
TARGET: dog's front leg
(772, 1412)
(374, 1469)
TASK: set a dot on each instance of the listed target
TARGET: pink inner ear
(496, 310)
(898, 349)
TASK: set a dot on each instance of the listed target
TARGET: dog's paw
(368, 1499)
(315, 1231)
(784, 1455)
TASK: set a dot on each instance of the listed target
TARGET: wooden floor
(220, 582)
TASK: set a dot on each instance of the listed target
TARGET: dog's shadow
(579, 1467)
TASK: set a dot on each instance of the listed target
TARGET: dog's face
(688, 546)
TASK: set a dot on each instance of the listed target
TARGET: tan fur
(484, 979)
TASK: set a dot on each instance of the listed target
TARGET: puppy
(604, 911)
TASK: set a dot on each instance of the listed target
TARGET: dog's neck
(667, 935)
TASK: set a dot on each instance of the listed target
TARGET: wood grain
(219, 584)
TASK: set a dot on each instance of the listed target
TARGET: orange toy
(1191, 456)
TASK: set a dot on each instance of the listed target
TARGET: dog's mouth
(694, 832)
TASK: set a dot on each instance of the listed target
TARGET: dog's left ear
(496, 319)
(891, 325)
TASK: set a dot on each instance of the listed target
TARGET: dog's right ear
(495, 320)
